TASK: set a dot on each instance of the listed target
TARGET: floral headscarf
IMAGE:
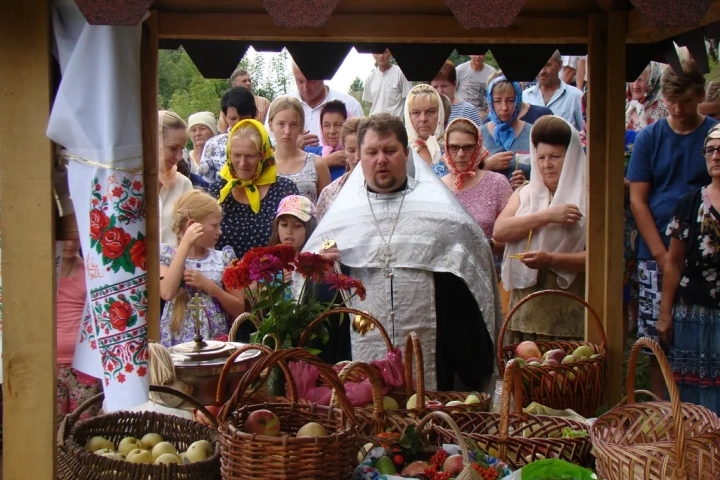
(266, 173)
(433, 141)
(504, 133)
(478, 155)
(651, 97)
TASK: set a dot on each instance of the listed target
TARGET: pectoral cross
(196, 305)
(387, 259)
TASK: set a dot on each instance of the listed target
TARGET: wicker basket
(579, 386)
(414, 356)
(356, 375)
(656, 440)
(76, 463)
(331, 457)
(533, 437)
(377, 420)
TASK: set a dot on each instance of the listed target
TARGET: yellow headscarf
(266, 173)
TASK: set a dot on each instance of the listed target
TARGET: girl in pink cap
(294, 223)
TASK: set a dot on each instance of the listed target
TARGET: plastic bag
(552, 469)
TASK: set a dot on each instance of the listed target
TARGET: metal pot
(198, 369)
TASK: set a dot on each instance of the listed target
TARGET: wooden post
(606, 139)
(28, 261)
(149, 85)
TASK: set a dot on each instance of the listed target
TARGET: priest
(425, 262)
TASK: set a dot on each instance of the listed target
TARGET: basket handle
(676, 405)
(413, 353)
(512, 385)
(231, 360)
(285, 355)
(374, 379)
(454, 426)
(70, 419)
(541, 293)
(378, 326)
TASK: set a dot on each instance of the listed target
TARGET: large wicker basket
(656, 440)
(579, 386)
(77, 463)
(518, 439)
(249, 456)
(414, 356)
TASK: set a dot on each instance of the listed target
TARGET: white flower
(710, 274)
(684, 281)
(706, 246)
(672, 226)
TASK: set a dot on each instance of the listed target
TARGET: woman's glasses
(464, 148)
(709, 152)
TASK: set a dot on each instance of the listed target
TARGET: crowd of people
(471, 194)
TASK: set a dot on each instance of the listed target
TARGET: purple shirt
(486, 200)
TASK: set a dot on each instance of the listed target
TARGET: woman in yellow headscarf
(250, 190)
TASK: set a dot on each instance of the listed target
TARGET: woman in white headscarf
(543, 227)
(425, 124)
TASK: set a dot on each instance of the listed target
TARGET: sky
(355, 65)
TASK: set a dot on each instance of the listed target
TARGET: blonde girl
(195, 267)
(310, 173)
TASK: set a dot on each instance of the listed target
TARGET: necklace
(387, 256)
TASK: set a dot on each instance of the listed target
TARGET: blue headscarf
(504, 133)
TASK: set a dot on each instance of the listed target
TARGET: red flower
(312, 266)
(138, 254)
(133, 201)
(341, 281)
(114, 241)
(121, 378)
(129, 368)
(118, 192)
(236, 276)
(97, 187)
(137, 185)
(93, 345)
(120, 312)
(265, 268)
(142, 371)
(98, 223)
(286, 254)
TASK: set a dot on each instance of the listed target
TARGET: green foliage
(183, 89)
(356, 85)
(457, 59)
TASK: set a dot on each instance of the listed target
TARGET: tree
(356, 85)
(457, 59)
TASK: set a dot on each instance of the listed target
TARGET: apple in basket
(98, 443)
(128, 444)
(557, 355)
(262, 422)
(199, 451)
(312, 429)
(527, 349)
(453, 465)
(151, 439)
(583, 352)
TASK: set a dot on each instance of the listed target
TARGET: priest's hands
(537, 259)
(332, 254)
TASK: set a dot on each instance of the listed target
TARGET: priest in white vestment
(425, 262)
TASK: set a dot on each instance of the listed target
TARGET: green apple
(385, 466)
(199, 451)
(139, 456)
(454, 403)
(568, 359)
(129, 444)
(98, 443)
(535, 364)
(471, 399)
(390, 403)
(151, 439)
(583, 351)
(103, 451)
(412, 401)
(114, 456)
(312, 429)
(166, 459)
(162, 448)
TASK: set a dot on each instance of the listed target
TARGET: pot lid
(198, 351)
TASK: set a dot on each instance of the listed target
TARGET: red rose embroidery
(142, 371)
(137, 254)
(120, 313)
(114, 242)
(98, 223)
(118, 192)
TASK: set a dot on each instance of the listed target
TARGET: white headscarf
(433, 141)
(554, 237)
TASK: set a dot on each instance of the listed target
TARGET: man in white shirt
(563, 99)
(386, 88)
(313, 94)
(472, 81)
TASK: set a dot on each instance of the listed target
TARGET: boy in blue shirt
(666, 164)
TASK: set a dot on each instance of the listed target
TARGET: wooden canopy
(620, 36)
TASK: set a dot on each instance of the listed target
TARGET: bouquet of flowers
(264, 274)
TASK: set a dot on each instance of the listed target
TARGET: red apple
(556, 354)
(551, 361)
(527, 350)
(534, 359)
(262, 422)
(453, 465)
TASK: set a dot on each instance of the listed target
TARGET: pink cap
(297, 206)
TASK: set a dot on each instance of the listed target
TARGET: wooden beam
(606, 148)
(28, 261)
(608, 5)
(370, 28)
(639, 32)
(149, 109)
